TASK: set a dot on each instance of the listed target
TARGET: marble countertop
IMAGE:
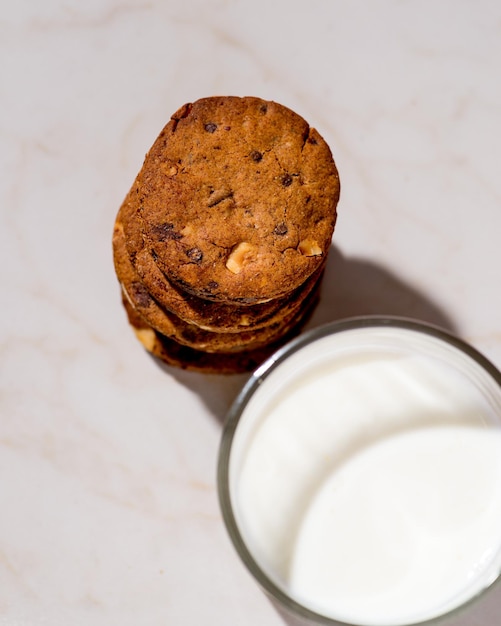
(109, 512)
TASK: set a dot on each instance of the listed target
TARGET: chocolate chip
(210, 128)
(140, 295)
(281, 229)
(227, 128)
(195, 254)
(286, 180)
(164, 232)
(312, 140)
(263, 109)
(213, 285)
(256, 156)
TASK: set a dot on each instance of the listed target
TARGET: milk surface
(366, 478)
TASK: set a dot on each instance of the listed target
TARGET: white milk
(365, 477)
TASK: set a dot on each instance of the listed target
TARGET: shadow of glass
(355, 286)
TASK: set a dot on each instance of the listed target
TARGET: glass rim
(238, 407)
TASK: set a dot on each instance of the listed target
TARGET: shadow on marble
(351, 287)
(355, 286)
(217, 391)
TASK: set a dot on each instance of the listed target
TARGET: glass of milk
(360, 476)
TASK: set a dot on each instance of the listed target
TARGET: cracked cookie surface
(237, 200)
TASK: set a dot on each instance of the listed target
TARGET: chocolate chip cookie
(220, 245)
(237, 200)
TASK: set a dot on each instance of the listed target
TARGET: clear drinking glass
(346, 394)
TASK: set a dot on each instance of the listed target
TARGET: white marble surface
(108, 504)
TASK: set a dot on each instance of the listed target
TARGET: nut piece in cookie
(240, 255)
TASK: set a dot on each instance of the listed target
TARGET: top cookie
(238, 199)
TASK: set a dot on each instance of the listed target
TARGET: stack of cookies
(220, 244)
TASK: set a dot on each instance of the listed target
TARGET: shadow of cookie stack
(220, 244)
